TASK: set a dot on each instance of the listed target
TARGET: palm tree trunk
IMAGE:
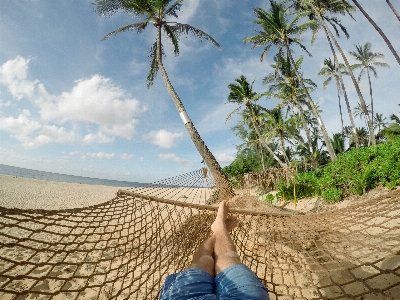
(283, 149)
(259, 137)
(313, 108)
(340, 105)
(364, 107)
(393, 9)
(346, 99)
(225, 188)
(261, 154)
(370, 93)
(388, 43)
(353, 125)
(308, 134)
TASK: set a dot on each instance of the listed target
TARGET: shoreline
(28, 193)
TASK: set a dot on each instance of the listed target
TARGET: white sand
(27, 193)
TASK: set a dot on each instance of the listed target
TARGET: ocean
(49, 176)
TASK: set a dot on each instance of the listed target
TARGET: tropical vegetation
(292, 134)
(294, 129)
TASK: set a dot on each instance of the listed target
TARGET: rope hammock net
(125, 248)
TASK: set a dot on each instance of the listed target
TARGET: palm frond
(108, 7)
(153, 65)
(173, 9)
(170, 33)
(188, 29)
(139, 27)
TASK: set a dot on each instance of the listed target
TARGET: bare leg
(204, 256)
(225, 254)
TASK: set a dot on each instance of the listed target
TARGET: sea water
(49, 176)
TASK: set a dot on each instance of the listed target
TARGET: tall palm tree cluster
(294, 128)
(293, 133)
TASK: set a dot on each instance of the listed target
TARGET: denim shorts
(236, 282)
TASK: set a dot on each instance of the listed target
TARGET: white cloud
(98, 138)
(105, 110)
(162, 138)
(100, 155)
(224, 157)
(176, 159)
(126, 156)
(13, 74)
(91, 155)
(21, 127)
(5, 104)
(96, 100)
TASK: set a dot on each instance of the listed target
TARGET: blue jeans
(236, 282)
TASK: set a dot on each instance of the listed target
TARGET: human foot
(231, 222)
(221, 221)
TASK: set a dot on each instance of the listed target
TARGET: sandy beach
(126, 247)
(26, 193)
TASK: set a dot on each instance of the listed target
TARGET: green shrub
(353, 172)
(332, 194)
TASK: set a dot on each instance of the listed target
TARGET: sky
(75, 104)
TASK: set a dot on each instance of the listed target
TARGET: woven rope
(125, 248)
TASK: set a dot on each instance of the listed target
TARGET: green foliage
(287, 192)
(246, 161)
(269, 198)
(332, 194)
(354, 172)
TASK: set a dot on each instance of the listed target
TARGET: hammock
(125, 248)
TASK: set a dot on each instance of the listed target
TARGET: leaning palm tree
(318, 9)
(368, 62)
(277, 30)
(377, 28)
(331, 70)
(155, 13)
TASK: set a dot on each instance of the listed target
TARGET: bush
(332, 194)
(354, 172)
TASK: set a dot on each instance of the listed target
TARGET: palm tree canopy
(324, 8)
(156, 13)
(367, 59)
(284, 83)
(277, 29)
(330, 71)
(242, 92)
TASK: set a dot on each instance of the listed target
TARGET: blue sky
(72, 103)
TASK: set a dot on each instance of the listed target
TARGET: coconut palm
(280, 128)
(331, 72)
(285, 86)
(368, 62)
(319, 8)
(155, 13)
(381, 33)
(277, 30)
(380, 122)
(338, 142)
(360, 112)
(241, 93)
(393, 9)
(362, 135)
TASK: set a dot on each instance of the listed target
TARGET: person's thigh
(188, 284)
(239, 282)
